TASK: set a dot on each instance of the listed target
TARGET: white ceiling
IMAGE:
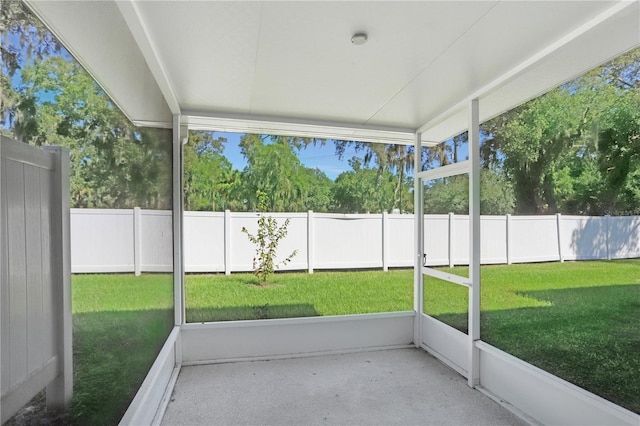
(290, 67)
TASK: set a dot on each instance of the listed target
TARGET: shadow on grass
(113, 351)
(588, 336)
(238, 313)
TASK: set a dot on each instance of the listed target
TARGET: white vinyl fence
(36, 276)
(141, 240)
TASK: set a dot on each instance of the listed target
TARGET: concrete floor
(401, 387)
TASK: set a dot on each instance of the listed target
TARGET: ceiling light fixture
(359, 38)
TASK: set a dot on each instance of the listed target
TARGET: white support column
(227, 242)
(474, 245)
(137, 242)
(418, 211)
(559, 233)
(385, 241)
(508, 242)
(451, 237)
(60, 391)
(180, 137)
(310, 242)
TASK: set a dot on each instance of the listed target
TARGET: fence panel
(156, 245)
(534, 239)
(400, 240)
(493, 236)
(436, 239)
(204, 242)
(35, 314)
(583, 237)
(102, 240)
(347, 241)
(624, 237)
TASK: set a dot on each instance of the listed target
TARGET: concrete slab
(391, 387)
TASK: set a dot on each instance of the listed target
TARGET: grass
(120, 322)
(239, 297)
(576, 320)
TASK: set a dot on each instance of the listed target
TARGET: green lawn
(578, 320)
(120, 322)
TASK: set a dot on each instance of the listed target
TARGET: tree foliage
(574, 149)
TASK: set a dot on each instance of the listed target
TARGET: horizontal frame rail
(446, 276)
(455, 169)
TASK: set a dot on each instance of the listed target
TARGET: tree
(266, 241)
(22, 38)
(391, 158)
(274, 168)
(365, 189)
(113, 164)
(451, 195)
(210, 182)
(574, 149)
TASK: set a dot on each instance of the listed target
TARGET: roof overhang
(290, 67)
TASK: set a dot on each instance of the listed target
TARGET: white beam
(132, 16)
(287, 127)
(474, 245)
(525, 66)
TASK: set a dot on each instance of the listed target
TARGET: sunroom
(412, 73)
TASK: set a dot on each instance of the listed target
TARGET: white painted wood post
(451, 237)
(385, 241)
(474, 246)
(559, 232)
(508, 239)
(418, 243)
(60, 391)
(227, 242)
(137, 241)
(310, 242)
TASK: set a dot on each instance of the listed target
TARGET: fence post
(385, 241)
(451, 236)
(60, 390)
(227, 242)
(137, 241)
(607, 232)
(508, 242)
(558, 230)
(310, 241)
